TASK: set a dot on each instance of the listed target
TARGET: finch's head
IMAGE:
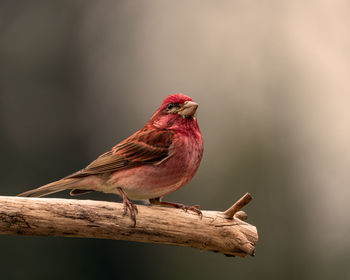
(179, 104)
(175, 110)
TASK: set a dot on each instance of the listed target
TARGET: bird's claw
(128, 205)
(195, 208)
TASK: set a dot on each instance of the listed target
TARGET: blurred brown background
(272, 81)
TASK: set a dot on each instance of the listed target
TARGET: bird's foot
(128, 205)
(195, 208)
(132, 208)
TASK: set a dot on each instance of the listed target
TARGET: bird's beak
(188, 109)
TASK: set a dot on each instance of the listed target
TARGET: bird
(153, 162)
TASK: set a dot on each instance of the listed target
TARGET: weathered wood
(101, 219)
(234, 209)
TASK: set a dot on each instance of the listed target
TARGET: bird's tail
(51, 188)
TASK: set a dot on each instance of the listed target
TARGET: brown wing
(144, 147)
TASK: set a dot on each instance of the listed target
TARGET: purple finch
(153, 162)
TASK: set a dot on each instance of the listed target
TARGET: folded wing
(144, 147)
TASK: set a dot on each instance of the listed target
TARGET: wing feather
(144, 147)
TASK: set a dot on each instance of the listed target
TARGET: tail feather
(51, 188)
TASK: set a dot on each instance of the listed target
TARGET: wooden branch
(234, 209)
(101, 219)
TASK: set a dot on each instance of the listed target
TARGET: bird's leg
(195, 208)
(128, 205)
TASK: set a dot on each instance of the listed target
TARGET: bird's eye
(170, 106)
